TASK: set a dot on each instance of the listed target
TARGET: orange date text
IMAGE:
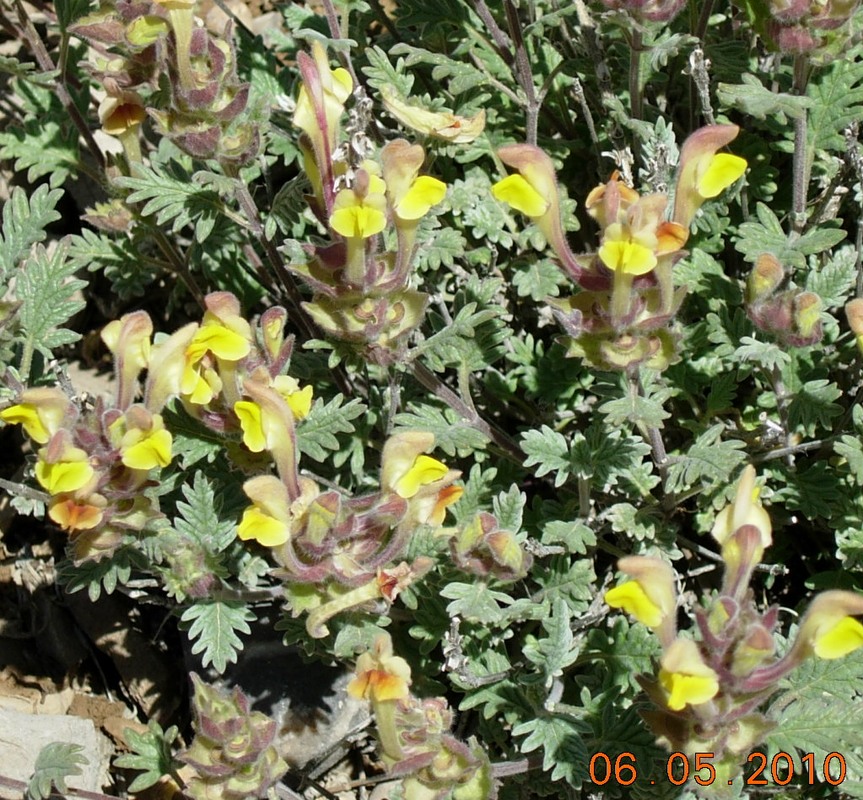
(622, 769)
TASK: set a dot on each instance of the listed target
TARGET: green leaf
(213, 627)
(818, 240)
(564, 750)
(755, 100)
(452, 434)
(472, 340)
(509, 507)
(623, 653)
(605, 454)
(548, 451)
(462, 75)
(565, 578)
(193, 441)
(710, 460)
(556, 650)
(55, 763)
(834, 281)
(49, 296)
(106, 573)
(635, 523)
(575, 535)
(150, 754)
(442, 247)
(838, 95)
(123, 261)
(812, 406)
(767, 355)
(317, 433)
(475, 602)
(767, 236)
(381, 73)
(70, 10)
(723, 390)
(24, 221)
(851, 449)
(637, 409)
(43, 146)
(178, 200)
(201, 517)
(541, 278)
(470, 198)
(820, 712)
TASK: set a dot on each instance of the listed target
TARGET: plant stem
(800, 162)
(523, 72)
(47, 65)
(501, 40)
(433, 383)
(703, 19)
(636, 101)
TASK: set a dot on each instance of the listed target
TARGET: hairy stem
(46, 64)
(800, 166)
(433, 383)
(636, 101)
(523, 72)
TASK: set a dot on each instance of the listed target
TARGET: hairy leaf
(754, 99)
(150, 754)
(24, 222)
(175, 200)
(213, 628)
(317, 433)
(49, 296)
(561, 738)
(55, 763)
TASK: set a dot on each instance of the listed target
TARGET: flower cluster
(801, 26)
(792, 316)
(135, 44)
(338, 552)
(414, 733)
(233, 752)
(96, 461)
(620, 317)
(709, 689)
(361, 295)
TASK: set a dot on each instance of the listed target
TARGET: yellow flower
(719, 173)
(268, 520)
(650, 598)
(72, 514)
(424, 193)
(147, 449)
(703, 173)
(380, 675)
(838, 640)
(423, 471)
(70, 472)
(298, 400)
(516, 191)
(828, 628)
(439, 124)
(220, 340)
(121, 113)
(41, 412)
(745, 510)
(357, 217)
(625, 255)
(330, 88)
(253, 423)
(685, 676)
(631, 597)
